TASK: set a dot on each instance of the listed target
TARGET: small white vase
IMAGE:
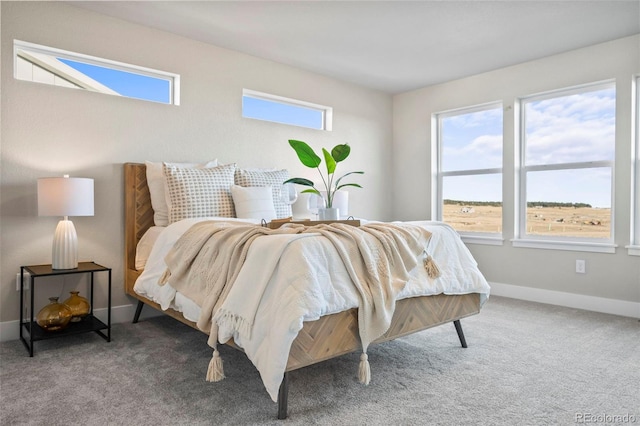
(340, 200)
(329, 213)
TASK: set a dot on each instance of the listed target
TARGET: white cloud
(473, 140)
(476, 119)
(482, 152)
(570, 129)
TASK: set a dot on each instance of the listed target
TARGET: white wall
(49, 130)
(609, 276)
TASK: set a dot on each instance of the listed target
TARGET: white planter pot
(340, 200)
(331, 213)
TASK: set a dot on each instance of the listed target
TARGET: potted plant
(309, 158)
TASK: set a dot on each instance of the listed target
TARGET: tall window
(278, 109)
(42, 64)
(566, 165)
(469, 170)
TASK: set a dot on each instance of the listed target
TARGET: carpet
(526, 364)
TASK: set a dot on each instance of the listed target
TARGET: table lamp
(65, 196)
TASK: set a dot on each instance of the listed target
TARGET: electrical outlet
(581, 266)
(27, 280)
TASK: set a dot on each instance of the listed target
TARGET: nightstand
(86, 325)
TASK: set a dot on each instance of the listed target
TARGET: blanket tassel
(432, 269)
(364, 370)
(215, 372)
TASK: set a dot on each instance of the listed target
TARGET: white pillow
(253, 202)
(158, 188)
(200, 192)
(266, 177)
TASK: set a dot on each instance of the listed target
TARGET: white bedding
(308, 282)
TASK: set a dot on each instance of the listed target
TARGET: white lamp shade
(65, 196)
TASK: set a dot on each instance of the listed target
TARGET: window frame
(326, 111)
(556, 242)
(437, 210)
(172, 78)
(634, 246)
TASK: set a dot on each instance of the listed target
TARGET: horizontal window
(278, 109)
(42, 64)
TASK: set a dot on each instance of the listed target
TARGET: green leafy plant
(309, 158)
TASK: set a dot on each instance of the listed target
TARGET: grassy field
(565, 221)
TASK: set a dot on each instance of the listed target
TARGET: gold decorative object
(54, 316)
(80, 307)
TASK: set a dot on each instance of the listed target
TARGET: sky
(567, 129)
(125, 83)
(472, 141)
(281, 113)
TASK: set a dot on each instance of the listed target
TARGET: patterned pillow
(199, 192)
(254, 177)
(158, 188)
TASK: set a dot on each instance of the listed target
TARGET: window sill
(588, 246)
(488, 240)
(633, 250)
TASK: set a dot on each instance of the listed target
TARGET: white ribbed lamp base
(65, 246)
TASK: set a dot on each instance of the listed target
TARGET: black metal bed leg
(283, 394)
(463, 342)
(136, 316)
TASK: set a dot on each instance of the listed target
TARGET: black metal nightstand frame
(86, 325)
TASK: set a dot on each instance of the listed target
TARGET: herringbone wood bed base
(337, 334)
(330, 336)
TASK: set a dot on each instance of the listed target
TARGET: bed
(330, 335)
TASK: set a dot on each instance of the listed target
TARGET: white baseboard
(569, 300)
(124, 313)
(9, 330)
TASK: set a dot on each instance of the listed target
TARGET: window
(567, 149)
(469, 171)
(263, 106)
(634, 248)
(57, 67)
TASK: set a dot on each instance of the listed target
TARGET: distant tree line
(529, 204)
(554, 204)
(474, 203)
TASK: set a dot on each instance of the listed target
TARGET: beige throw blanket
(378, 257)
(207, 259)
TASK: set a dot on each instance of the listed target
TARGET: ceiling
(391, 46)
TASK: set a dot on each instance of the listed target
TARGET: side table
(86, 325)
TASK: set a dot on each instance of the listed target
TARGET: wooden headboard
(138, 218)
